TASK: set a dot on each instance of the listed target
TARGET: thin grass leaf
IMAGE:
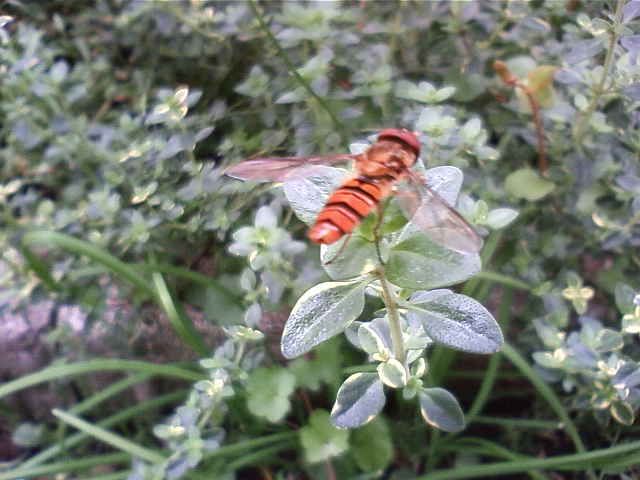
(67, 466)
(97, 365)
(108, 437)
(121, 416)
(179, 320)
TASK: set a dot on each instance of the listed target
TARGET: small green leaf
(527, 184)
(624, 298)
(357, 258)
(321, 440)
(322, 312)
(359, 400)
(323, 369)
(608, 340)
(392, 373)
(622, 412)
(440, 409)
(549, 359)
(500, 217)
(369, 339)
(456, 321)
(28, 435)
(268, 391)
(551, 336)
(371, 446)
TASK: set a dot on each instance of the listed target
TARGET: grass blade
(179, 320)
(108, 437)
(97, 365)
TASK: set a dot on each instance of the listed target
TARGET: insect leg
(340, 250)
(376, 229)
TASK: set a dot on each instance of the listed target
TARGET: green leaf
(500, 217)
(392, 373)
(28, 434)
(527, 184)
(622, 412)
(456, 321)
(268, 391)
(624, 298)
(549, 360)
(359, 400)
(357, 258)
(323, 369)
(371, 446)
(322, 312)
(370, 340)
(440, 409)
(418, 263)
(309, 189)
(551, 336)
(321, 440)
(608, 340)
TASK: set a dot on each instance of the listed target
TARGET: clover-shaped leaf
(321, 440)
(322, 312)
(268, 391)
(371, 447)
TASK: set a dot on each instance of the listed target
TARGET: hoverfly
(384, 169)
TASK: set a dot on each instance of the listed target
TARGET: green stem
(518, 423)
(341, 127)
(576, 462)
(492, 370)
(548, 394)
(614, 36)
(391, 305)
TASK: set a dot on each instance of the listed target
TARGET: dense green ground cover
(161, 320)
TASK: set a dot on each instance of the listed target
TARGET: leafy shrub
(118, 120)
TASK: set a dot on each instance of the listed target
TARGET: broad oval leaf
(360, 398)
(308, 189)
(456, 321)
(418, 263)
(322, 312)
(526, 183)
(441, 409)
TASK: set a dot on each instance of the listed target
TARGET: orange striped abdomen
(347, 206)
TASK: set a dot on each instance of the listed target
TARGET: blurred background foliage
(118, 118)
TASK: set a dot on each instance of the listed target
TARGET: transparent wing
(432, 214)
(276, 169)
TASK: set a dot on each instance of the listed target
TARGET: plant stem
(341, 127)
(583, 120)
(543, 164)
(394, 319)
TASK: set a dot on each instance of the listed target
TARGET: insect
(384, 169)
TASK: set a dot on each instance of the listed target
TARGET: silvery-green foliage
(439, 316)
(196, 427)
(591, 362)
